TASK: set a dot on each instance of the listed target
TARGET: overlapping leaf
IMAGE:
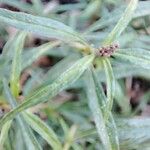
(122, 23)
(49, 91)
(16, 63)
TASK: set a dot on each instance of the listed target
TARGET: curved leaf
(110, 82)
(122, 23)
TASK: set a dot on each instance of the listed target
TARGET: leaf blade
(110, 82)
(122, 23)
(110, 124)
(96, 111)
(16, 63)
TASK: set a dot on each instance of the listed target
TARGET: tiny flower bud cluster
(107, 51)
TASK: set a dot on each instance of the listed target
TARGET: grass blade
(122, 23)
(39, 25)
(16, 63)
(43, 129)
(49, 91)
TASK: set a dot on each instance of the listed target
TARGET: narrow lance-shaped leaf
(43, 129)
(49, 91)
(136, 52)
(8, 52)
(140, 57)
(42, 26)
(27, 133)
(16, 63)
(122, 23)
(17, 46)
(112, 129)
(110, 124)
(97, 113)
(110, 82)
(112, 18)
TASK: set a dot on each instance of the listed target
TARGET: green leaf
(137, 52)
(43, 129)
(16, 63)
(113, 133)
(4, 133)
(110, 124)
(113, 16)
(96, 111)
(103, 22)
(110, 82)
(49, 91)
(8, 51)
(39, 25)
(140, 57)
(122, 23)
(134, 133)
